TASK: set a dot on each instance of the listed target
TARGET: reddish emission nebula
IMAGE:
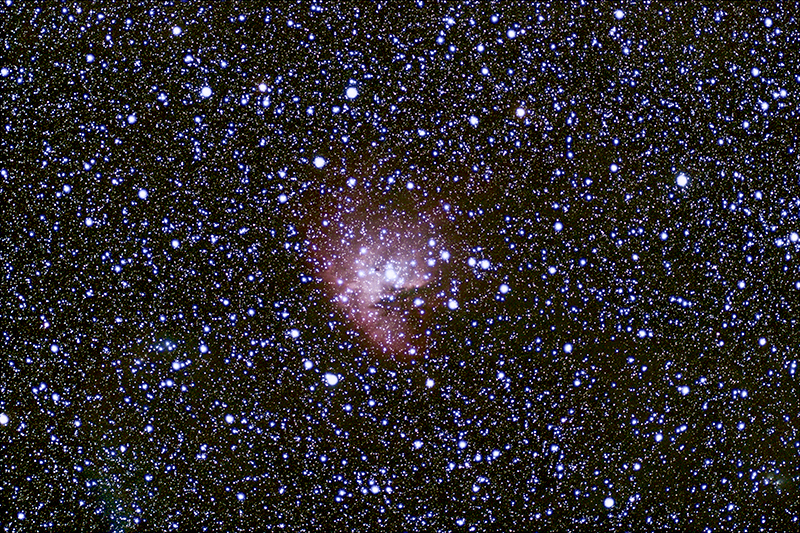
(385, 268)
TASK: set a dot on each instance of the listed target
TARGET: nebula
(385, 267)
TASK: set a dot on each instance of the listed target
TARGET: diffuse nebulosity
(388, 269)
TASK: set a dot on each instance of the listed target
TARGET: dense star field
(424, 267)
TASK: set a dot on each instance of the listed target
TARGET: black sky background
(509, 441)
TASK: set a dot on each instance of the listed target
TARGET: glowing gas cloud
(385, 268)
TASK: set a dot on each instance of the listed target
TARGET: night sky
(349, 266)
